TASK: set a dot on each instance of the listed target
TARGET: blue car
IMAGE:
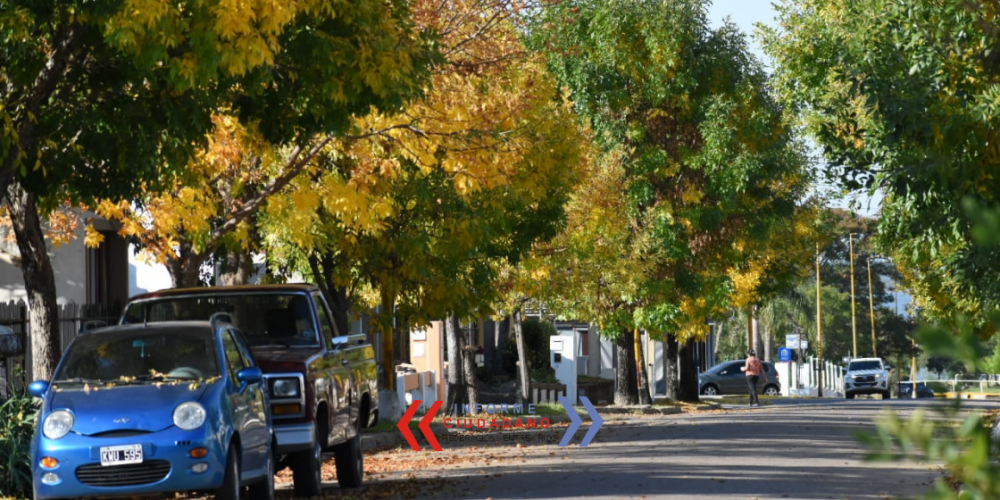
(151, 409)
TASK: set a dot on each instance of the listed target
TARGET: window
(732, 369)
(284, 319)
(325, 323)
(241, 342)
(234, 360)
(151, 355)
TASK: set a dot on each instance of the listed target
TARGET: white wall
(68, 265)
(145, 277)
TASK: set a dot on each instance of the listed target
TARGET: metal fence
(15, 371)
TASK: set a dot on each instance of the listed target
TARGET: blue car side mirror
(38, 388)
(249, 376)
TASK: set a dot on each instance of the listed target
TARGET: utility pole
(854, 319)
(819, 326)
(913, 370)
(871, 304)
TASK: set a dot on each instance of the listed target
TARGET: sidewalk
(384, 440)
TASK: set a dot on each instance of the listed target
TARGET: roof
(154, 327)
(209, 290)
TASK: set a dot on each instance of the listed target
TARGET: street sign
(784, 354)
(804, 345)
(792, 341)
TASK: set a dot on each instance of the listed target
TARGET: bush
(536, 345)
(17, 418)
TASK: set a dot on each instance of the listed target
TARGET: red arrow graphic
(425, 426)
(404, 425)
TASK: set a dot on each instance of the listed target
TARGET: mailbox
(562, 358)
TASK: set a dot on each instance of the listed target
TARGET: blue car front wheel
(230, 489)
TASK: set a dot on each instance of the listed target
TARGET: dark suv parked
(727, 378)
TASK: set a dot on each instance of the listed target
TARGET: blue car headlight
(57, 424)
(189, 416)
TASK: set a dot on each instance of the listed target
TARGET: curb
(967, 395)
(379, 440)
(382, 440)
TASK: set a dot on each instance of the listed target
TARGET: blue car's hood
(133, 407)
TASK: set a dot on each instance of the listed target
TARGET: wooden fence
(15, 372)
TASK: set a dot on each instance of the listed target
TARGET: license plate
(120, 455)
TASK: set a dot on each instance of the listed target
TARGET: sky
(746, 14)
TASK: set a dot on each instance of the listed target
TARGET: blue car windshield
(281, 319)
(139, 356)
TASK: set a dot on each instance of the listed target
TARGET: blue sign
(784, 354)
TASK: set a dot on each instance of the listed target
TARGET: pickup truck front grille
(865, 379)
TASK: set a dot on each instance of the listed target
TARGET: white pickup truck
(866, 376)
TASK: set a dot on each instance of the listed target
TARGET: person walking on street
(753, 369)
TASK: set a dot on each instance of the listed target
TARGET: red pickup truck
(322, 385)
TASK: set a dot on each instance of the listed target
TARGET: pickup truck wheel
(350, 461)
(230, 489)
(307, 472)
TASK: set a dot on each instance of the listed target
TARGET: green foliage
(696, 168)
(901, 97)
(967, 449)
(992, 364)
(536, 347)
(17, 418)
(103, 100)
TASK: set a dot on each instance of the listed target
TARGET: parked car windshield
(864, 365)
(140, 356)
(284, 319)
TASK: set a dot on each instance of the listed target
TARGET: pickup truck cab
(322, 386)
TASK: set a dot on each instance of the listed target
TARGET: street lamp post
(871, 304)
(854, 320)
(819, 326)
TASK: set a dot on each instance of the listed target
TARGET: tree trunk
(388, 353)
(523, 371)
(337, 296)
(768, 343)
(640, 364)
(237, 267)
(502, 337)
(490, 349)
(626, 387)
(185, 268)
(39, 282)
(719, 332)
(670, 365)
(687, 390)
(454, 395)
(403, 328)
(469, 372)
(755, 322)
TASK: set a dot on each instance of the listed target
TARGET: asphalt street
(803, 449)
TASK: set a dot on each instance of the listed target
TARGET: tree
(701, 170)
(422, 207)
(102, 101)
(902, 99)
